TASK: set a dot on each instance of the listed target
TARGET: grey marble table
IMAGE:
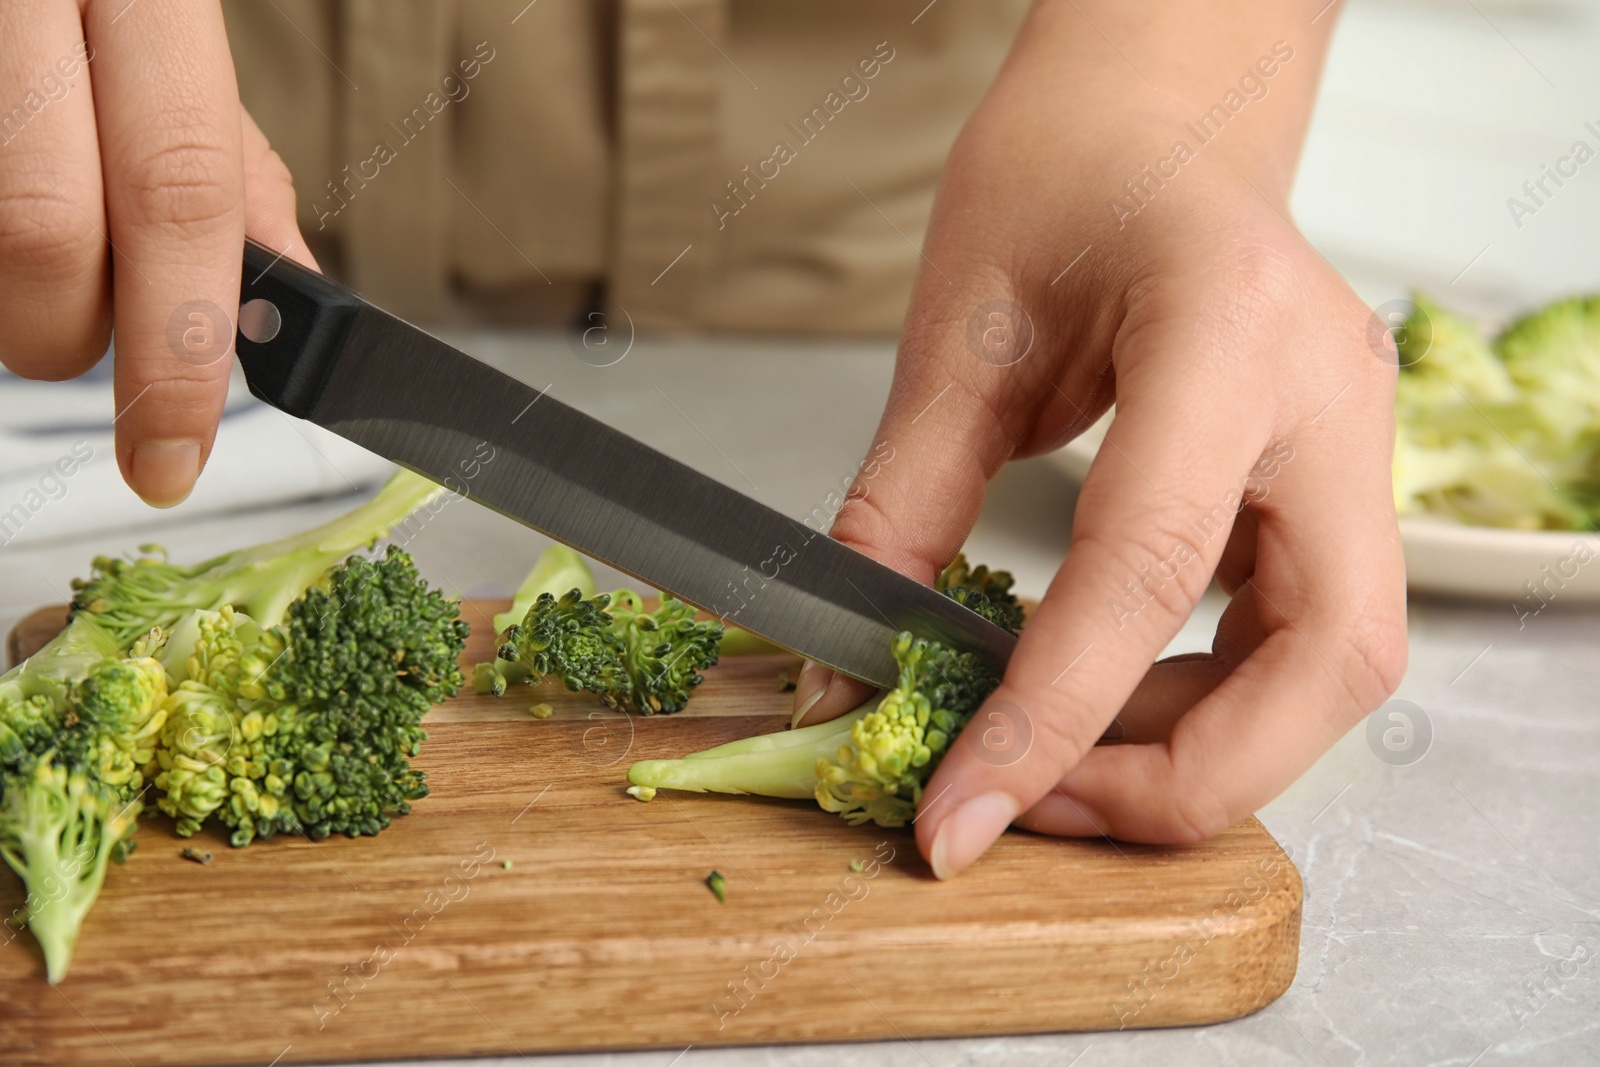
(1452, 902)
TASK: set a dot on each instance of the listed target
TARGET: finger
(1155, 511)
(1238, 560)
(55, 285)
(1174, 685)
(269, 215)
(170, 142)
(917, 496)
(1170, 688)
(1331, 589)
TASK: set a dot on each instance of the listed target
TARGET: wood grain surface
(529, 905)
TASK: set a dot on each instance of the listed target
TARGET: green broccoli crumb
(718, 886)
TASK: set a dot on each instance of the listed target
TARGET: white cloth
(59, 477)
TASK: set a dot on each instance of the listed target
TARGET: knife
(317, 351)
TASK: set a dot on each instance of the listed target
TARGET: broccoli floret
(607, 644)
(869, 766)
(982, 590)
(59, 829)
(1442, 352)
(1554, 356)
(78, 724)
(662, 653)
(635, 660)
(557, 569)
(309, 726)
(1502, 434)
(569, 637)
(128, 597)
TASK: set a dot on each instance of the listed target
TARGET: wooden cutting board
(529, 905)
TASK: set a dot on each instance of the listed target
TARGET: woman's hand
(1242, 374)
(129, 176)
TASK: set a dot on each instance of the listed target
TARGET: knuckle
(1376, 656)
(1194, 814)
(46, 238)
(1066, 743)
(1262, 279)
(185, 179)
(1154, 567)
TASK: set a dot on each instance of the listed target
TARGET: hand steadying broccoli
(870, 765)
(301, 720)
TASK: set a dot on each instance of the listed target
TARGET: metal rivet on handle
(260, 321)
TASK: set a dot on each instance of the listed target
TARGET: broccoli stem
(127, 598)
(263, 581)
(771, 765)
(737, 642)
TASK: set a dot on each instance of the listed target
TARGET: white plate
(1525, 568)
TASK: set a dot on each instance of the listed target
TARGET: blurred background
(551, 219)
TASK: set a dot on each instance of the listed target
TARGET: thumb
(917, 494)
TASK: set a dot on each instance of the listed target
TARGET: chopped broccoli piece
(569, 637)
(1554, 356)
(1502, 434)
(487, 680)
(870, 765)
(541, 711)
(58, 830)
(645, 662)
(128, 597)
(985, 592)
(78, 724)
(308, 727)
(557, 569)
(196, 856)
(662, 653)
(718, 886)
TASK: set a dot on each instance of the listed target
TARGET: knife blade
(318, 351)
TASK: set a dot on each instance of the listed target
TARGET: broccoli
(557, 569)
(569, 637)
(1554, 356)
(639, 661)
(128, 597)
(1501, 433)
(983, 591)
(78, 726)
(662, 653)
(308, 726)
(869, 766)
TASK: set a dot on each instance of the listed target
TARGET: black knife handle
(289, 369)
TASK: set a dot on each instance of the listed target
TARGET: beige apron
(706, 164)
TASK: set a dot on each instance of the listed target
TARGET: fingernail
(808, 689)
(164, 471)
(967, 832)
